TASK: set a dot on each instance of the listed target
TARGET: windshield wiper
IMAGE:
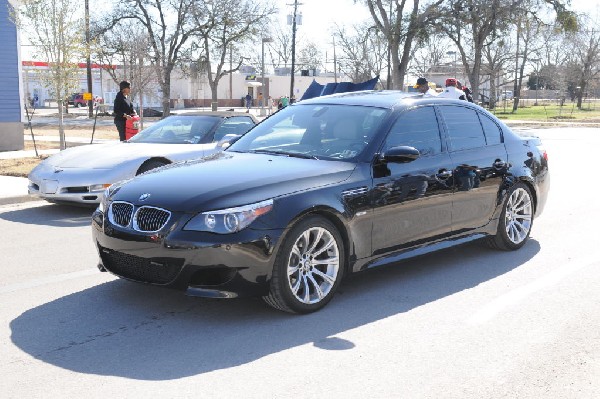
(284, 153)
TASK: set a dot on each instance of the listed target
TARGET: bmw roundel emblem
(144, 197)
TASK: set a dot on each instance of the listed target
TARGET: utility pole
(88, 57)
(334, 62)
(294, 15)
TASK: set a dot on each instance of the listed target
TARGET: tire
(515, 221)
(308, 267)
(149, 165)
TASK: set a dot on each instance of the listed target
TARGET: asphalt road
(464, 323)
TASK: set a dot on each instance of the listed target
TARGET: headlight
(230, 220)
(98, 187)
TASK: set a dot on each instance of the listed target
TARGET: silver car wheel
(518, 215)
(313, 265)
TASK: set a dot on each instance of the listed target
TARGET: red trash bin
(132, 126)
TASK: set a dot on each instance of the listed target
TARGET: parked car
(77, 100)
(80, 174)
(324, 188)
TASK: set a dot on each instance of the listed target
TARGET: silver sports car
(79, 175)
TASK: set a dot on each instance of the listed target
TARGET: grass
(547, 111)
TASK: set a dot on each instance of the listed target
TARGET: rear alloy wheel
(308, 267)
(516, 219)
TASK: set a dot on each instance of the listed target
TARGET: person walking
(422, 86)
(248, 102)
(123, 108)
(451, 91)
(260, 99)
(272, 104)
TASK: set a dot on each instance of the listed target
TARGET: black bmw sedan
(324, 188)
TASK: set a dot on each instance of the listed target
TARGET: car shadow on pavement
(129, 330)
(51, 215)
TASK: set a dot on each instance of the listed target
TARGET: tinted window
(464, 128)
(491, 130)
(416, 128)
(323, 131)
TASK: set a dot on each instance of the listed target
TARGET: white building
(186, 91)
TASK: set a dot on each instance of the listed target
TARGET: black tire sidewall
(281, 263)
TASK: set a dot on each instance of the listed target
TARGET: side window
(464, 128)
(416, 128)
(491, 130)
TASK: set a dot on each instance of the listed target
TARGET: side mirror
(227, 140)
(400, 154)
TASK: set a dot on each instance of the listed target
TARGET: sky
(320, 16)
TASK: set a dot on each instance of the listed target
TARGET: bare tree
(57, 40)
(497, 57)
(222, 25)
(584, 57)
(472, 25)
(363, 51)
(401, 24)
(169, 26)
(310, 57)
(281, 49)
(429, 52)
(128, 47)
(528, 30)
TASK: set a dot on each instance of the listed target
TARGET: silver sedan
(79, 175)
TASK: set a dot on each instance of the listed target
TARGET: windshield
(339, 132)
(178, 129)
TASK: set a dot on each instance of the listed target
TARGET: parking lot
(468, 322)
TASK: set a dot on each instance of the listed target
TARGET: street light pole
(87, 57)
(264, 96)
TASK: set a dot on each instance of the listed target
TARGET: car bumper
(73, 185)
(73, 194)
(202, 264)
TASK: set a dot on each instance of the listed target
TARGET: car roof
(380, 98)
(222, 114)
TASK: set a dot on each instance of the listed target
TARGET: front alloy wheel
(308, 268)
(516, 219)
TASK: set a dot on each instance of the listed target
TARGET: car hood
(106, 156)
(230, 179)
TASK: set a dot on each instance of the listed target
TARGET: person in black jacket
(123, 108)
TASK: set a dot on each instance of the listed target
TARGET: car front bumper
(200, 263)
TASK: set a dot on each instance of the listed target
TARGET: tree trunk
(580, 94)
(493, 88)
(61, 128)
(214, 105)
(397, 74)
(166, 95)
